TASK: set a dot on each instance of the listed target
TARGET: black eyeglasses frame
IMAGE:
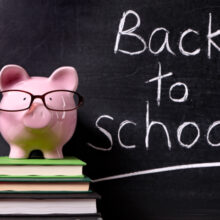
(42, 97)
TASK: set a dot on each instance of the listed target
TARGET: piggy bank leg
(53, 154)
(18, 152)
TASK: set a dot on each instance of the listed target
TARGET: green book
(49, 162)
(70, 166)
(44, 179)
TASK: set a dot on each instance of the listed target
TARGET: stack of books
(45, 188)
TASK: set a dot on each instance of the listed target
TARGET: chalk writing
(155, 49)
(166, 42)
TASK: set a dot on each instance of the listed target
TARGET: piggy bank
(38, 113)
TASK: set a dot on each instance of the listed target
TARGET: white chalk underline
(159, 170)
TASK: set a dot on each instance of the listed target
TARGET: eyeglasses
(56, 100)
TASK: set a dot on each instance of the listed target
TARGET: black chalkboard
(152, 146)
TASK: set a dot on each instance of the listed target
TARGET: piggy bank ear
(65, 77)
(10, 75)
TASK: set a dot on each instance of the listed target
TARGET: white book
(37, 204)
(48, 206)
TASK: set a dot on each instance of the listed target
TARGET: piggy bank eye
(25, 98)
(50, 99)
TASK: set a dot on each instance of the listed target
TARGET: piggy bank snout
(37, 116)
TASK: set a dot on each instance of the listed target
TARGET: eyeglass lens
(62, 100)
(15, 100)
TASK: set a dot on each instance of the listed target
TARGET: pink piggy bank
(38, 113)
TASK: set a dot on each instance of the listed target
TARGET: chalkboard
(150, 75)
